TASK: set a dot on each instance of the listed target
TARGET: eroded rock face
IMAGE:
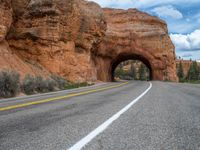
(8, 60)
(132, 34)
(59, 35)
(80, 41)
(5, 19)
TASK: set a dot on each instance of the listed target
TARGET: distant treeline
(193, 74)
(136, 71)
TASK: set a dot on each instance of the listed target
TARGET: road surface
(115, 116)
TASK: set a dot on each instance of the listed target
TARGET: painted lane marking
(83, 142)
(60, 97)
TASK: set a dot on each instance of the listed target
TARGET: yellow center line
(58, 98)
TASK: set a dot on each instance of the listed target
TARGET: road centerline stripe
(84, 141)
(59, 98)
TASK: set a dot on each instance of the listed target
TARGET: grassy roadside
(11, 85)
(193, 82)
(190, 81)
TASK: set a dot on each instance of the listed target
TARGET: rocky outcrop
(58, 35)
(8, 60)
(5, 19)
(132, 34)
(81, 41)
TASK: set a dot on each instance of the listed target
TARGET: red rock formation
(65, 38)
(8, 60)
(132, 34)
(59, 35)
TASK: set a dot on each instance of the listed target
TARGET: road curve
(167, 117)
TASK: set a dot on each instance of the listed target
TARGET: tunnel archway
(132, 34)
(125, 57)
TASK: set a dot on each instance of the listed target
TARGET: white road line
(80, 144)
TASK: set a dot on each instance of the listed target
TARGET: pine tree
(147, 73)
(198, 72)
(132, 71)
(142, 72)
(180, 71)
(193, 73)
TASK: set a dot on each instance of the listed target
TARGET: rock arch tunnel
(132, 34)
(124, 57)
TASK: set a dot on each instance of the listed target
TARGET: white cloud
(187, 42)
(142, 3)
(153, 3)
(183, 41)
(167, 11)
(187, 55)
(194, 55)
(115, 3)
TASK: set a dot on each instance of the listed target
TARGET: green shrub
(50, 85)
(41, 85)
(28, 85)
(32, 85)
(61, 82)
(77, 85)
(9, 83)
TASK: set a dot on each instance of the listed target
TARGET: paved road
(167, 117)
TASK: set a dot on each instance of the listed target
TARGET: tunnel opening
(131, 67)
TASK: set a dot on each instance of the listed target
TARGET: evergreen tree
(132, 71)
(142, 72)
(180, 71)
(193, 73)
(198, 74)
(147, 73)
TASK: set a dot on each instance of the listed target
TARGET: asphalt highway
(115, 116)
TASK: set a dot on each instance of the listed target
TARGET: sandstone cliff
(9, 60)
(58, 35)
(132, 34)
(79, 40)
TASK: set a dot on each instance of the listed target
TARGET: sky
(182, 17)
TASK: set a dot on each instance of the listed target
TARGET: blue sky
(182, 17)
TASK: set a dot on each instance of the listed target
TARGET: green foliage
(122, 74)
(180, 72)
(28, 85)
(9, 83)
(132, 72)
(51, 85)
(119, 72)
(77, 85)
(193, 73)
(32, 85)
(61, 83)
(41, 86)
(142, 72)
